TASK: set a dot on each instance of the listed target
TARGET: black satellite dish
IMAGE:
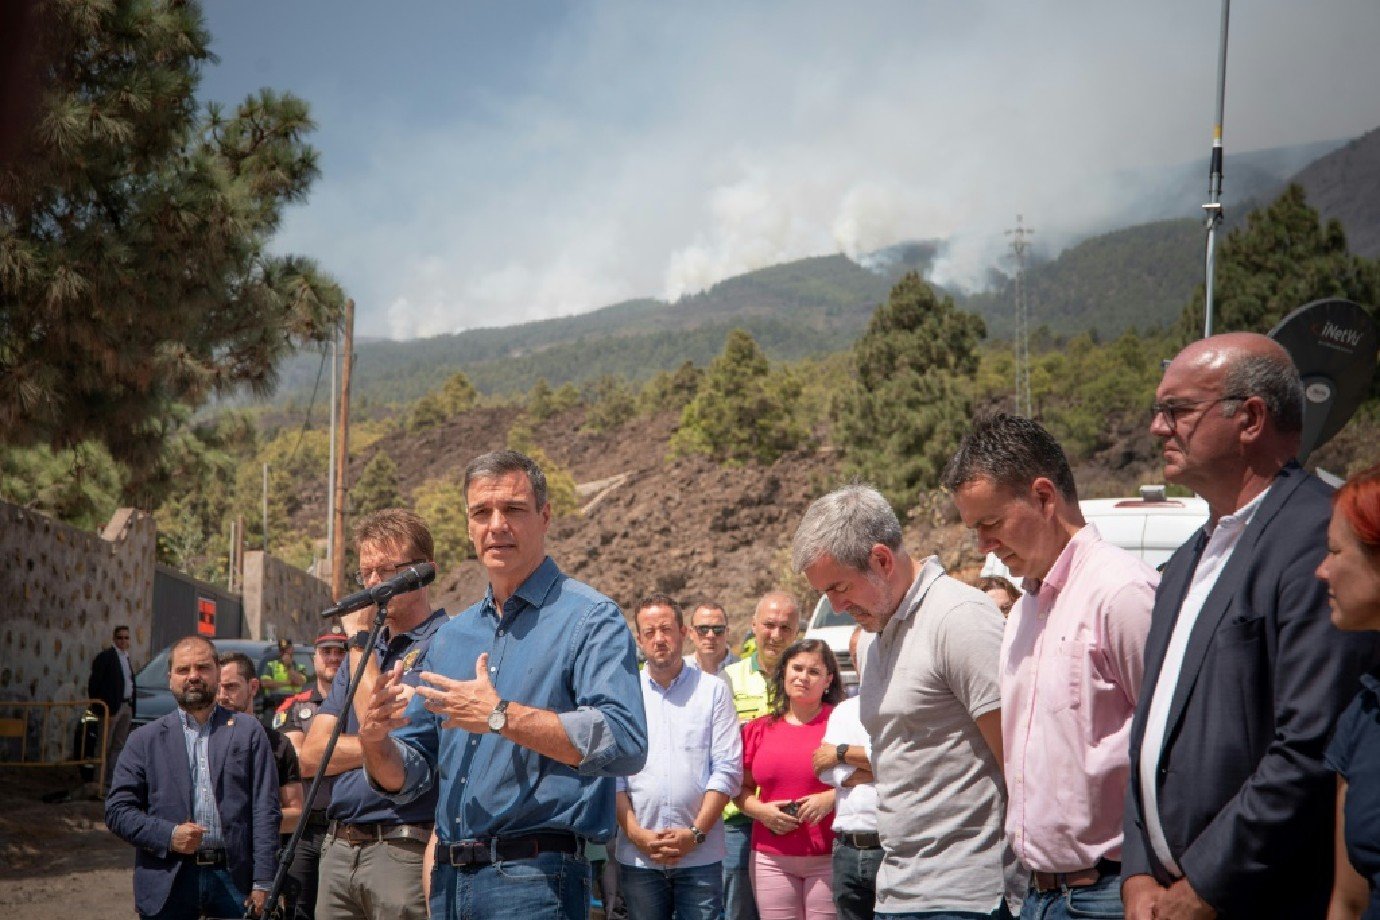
(1333, 343)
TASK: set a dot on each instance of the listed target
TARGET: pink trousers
(793, 887)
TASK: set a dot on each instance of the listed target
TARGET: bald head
(1246, 365)
(1229, 411)
(774, 625)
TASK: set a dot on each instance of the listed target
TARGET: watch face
(497, 719)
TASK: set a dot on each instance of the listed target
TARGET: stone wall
(63, 591)
(281, 600)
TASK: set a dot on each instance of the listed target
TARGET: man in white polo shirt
(844, 761)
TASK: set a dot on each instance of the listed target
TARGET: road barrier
(26, 727)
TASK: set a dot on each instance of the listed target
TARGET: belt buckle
(469, 852)
(204, 858)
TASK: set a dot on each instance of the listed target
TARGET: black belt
(859, 841)
(376, 831)
(210, 859)
(484, 852)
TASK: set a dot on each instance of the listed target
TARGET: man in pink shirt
(1071, 663)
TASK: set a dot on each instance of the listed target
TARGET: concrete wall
(281, 600)
(62, 592)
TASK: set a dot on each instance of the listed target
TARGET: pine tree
(134, 271)
(441, 503)
(611, 404)
(377, 487)
(911, 401)
(1283, 258)
(743, 410)
(458, 394)
(540, 400)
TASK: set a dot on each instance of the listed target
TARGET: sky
(485, 164)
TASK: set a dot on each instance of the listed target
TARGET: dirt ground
(58, 861)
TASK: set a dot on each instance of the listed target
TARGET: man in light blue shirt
(529, 707)
(671, 836)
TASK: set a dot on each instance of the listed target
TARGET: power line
(306, 422)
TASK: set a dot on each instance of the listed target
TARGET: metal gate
(184, 606)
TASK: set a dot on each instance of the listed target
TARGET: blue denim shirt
(205, 812)
(558, 645)
(353, 798)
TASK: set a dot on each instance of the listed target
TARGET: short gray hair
(845, 524)
(502, 462)
(1275, 380)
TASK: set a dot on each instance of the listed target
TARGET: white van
(1151, 526)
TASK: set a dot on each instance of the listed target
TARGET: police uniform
(294, 714)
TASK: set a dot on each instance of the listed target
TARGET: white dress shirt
(1222, 539)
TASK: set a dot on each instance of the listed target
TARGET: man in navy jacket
(1231, 807)
(196, 792)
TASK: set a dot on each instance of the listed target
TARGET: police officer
(293, 718)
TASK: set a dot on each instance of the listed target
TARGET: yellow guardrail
(27, 728)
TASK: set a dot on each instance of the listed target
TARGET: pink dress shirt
(1072, 661)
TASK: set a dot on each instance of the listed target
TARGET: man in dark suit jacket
(197, 793)
(1231, 807)
(112, 682)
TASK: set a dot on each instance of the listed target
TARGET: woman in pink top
(792, 810)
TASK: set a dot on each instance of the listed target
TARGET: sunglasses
(706, 630)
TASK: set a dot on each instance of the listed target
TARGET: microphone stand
(285, 857)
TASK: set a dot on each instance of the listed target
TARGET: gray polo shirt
(941, 798)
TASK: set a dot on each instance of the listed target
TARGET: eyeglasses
(383, 571)
(706, 630)
(1173, 412)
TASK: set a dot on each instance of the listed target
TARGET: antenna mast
(1020, 343)
(1213, 208)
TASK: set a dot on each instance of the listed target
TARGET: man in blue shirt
(670, 848)
(529, 707)
(371, 857)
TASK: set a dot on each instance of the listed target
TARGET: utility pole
(342, 453)
(234, 551)
(1020, 342)
(330, 464)
(265, 509)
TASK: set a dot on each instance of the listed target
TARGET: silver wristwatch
(498, 719)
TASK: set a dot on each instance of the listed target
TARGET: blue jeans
(1099, 901)
(550, 886)
(855, 881)
(694, 893)
(738, 901)
(198, 891)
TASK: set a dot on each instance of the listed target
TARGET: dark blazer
(151, 793)
(1245, 799)
(107, 681)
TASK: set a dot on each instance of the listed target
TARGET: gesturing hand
(384, 711)
(466, 704)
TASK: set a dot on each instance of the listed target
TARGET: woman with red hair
(1351, 569)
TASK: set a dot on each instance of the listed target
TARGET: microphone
(409, 579)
